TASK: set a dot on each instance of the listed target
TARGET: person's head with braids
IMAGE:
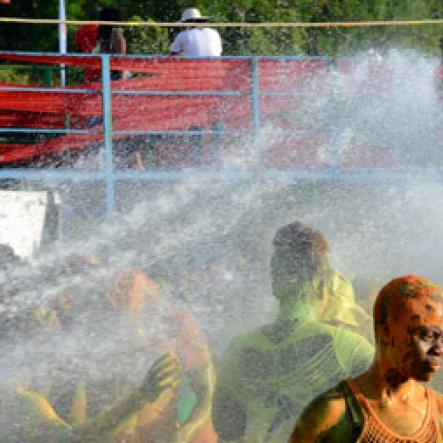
(298, 266)
(408, 325)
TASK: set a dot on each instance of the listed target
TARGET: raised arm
(158, 386)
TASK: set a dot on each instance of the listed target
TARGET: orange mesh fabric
(375, 431)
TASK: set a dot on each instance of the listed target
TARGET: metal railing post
(255, 110)
(107, 131)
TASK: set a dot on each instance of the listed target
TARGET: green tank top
(276, 374)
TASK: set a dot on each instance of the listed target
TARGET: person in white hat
(196, 41)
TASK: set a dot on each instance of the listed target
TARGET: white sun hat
(192, 14)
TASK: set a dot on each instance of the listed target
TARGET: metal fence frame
(109, 175)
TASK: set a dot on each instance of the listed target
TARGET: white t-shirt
(196, 42)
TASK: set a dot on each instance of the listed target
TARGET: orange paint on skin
(389, 402)
(136, 294)
(415, 312)
(409, 299)
(132, 289)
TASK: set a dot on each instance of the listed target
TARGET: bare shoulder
(324, 414)
(439, 398)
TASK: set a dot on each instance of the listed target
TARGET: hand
(162, 375)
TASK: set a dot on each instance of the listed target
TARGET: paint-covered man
(387, 403)
(270, 374)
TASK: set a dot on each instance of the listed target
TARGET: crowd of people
(138, 368)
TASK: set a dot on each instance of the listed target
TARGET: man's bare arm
(326, 416)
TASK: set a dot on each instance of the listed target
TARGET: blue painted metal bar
(287, 94)
(187, 174)
(56, 90)
(49, 131)
(332, 174)
(166, 93)
(295, 57)
(129, 132)
(52, 174)
(107, 131)
(183, 93)
(368, 175)
(288, 131)
(177, 133)
(50, 54)
(255, 109)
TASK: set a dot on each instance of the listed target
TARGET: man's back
(271, 374)
(197, 42)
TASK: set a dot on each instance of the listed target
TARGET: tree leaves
(242, 41)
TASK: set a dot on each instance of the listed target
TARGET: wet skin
(425, 348)
(409, 351)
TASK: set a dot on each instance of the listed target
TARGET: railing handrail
(165, 56)
(109, 175)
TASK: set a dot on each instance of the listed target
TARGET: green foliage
(10, 75)
(269, 41)
(147, 40)
(296, 41)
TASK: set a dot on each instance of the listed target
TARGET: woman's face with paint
(415, 338)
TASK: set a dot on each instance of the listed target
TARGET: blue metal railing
(109, 174)
(107, 131)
